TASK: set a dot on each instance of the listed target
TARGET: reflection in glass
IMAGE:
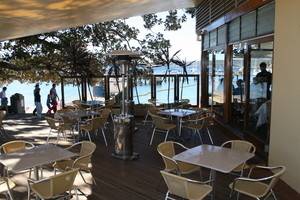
(238, 86)
(142, 91)
(162, 89)
(216, 80)
(96, 89)
(115, 88)
(260, 91)
(188, 89)
(72, 90)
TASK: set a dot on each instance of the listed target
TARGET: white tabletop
(178, 112)
(214, 157)
(37, 156)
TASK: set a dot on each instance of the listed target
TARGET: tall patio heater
(124, 123)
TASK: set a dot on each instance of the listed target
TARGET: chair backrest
(86, 148)
(53, 123)
(55, 185)
(240, 145)
(16, 145)
(277, 173)
(177, 185)
(167, 151)
(86, 151)
(98, 122)
(158, 121)
(63, 182)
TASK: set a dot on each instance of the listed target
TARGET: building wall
(285, 124)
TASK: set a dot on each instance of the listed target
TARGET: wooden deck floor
(124, 180)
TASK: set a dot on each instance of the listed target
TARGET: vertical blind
(213, 38)
(248, 25)
(265, 19)
(234, 30)
(222, 35)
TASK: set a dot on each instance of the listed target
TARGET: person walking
(49, 104)
(54, 98)
(37, 101)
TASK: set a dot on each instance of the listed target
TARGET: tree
(184, 64)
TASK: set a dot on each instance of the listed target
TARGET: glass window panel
(248, 25)
(222, 35)
(163, 85)
(115, 88)
(267, 46)
(96, 89)
(210, 68)
(234, 30)
(213, 38)
(218, 83)
(238, 87)
(206, 41)
(72, 90)
(188, 89)
(142, 90)
(265, 19)
(260, 93)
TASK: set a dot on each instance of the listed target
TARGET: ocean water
(144, 89)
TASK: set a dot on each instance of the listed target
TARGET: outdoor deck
(117, 179)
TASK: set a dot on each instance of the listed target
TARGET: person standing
(37, 101)
(54, 98)
(49, 104)
(264, 77)
(3, 97)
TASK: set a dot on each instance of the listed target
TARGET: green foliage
(82, 51)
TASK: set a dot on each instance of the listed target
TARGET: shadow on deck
(123, 180)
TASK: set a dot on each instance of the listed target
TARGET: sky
(184, 38)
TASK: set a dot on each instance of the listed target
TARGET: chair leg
(166, 136)
(76, 193)
(208, 132)
(145, 120)
(273, 194)
(30, 172)
(48, 136)
(88, 133)
(237, 196)
(82, 177)
(104, 136)
(28, 192)
(180, 127)
(152, 136)
(10, 194)
(200, 137)
(167, 196)
(58, 137)
(93, 179)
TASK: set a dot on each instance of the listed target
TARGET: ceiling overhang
(19, 18)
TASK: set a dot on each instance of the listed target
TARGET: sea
(143, 88)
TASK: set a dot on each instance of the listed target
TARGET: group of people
(51, 102)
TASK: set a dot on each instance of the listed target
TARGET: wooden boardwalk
(125, 180)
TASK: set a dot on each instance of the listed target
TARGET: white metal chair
(54, 186)
(242, 146)
(257, 188)
(184, 187)
(162, 125)
(16, 145)
(82, 162)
